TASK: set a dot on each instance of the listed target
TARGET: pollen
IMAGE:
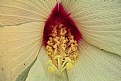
(62, 49)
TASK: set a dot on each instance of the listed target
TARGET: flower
(80, 43)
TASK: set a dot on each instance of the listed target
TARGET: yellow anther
(64, 41)
(73, 48)
(71, 37)
(71, 41)
(57, 56)
(49, 62)
(48, 47)
(63, 48)
(51, 69)
(49, 53)
(63, 31)
(67, 59)
(69, 66)
(55, 51)
(57, 42)
(60, 26)
(55, 46)
(56, 39)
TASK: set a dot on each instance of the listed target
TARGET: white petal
(19, 46)
(99, 23)
(14, 12)
(39, 71)
(95, 65)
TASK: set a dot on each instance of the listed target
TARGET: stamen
(61, 49)
(69, 65)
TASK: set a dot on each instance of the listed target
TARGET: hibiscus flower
(60, 40)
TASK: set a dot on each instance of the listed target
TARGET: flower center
(61, 49)
(60, 38)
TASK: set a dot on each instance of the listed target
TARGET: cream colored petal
(95, 65)
(14, 12)
(99, 23)
(39, 71)
(19, 46)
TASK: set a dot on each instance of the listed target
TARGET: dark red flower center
(60, 16)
